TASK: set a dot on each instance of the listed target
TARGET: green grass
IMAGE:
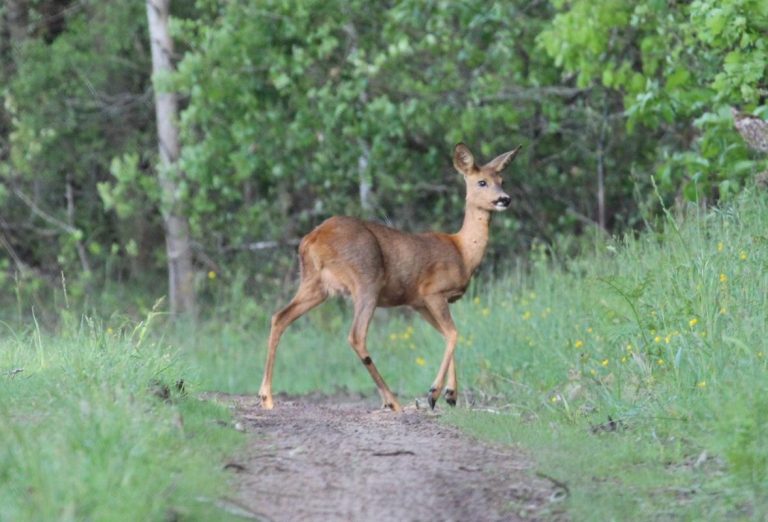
(83, 435)
(664, 333)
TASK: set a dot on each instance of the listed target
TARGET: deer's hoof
(266, 402)
(432, 397)
(450, 397)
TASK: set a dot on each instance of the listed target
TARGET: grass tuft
(84, 436)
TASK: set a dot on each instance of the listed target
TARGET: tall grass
(93, 428)
(639, 373)
(636, 372)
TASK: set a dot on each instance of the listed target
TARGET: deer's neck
(472, 239)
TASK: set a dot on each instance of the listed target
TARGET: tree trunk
(365, 179)
(601, 187)
(81, 252)
(601, 218)
(14, 28)
(177, 243)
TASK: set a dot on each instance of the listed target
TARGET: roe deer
(379, 266)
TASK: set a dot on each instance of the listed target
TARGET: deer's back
(351, 256)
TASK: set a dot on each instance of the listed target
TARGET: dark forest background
(290, 111)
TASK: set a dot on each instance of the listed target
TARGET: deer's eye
(482, 183)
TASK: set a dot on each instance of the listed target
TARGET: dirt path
(331, 458)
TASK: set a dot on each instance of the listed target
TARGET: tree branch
(519, 93)
(265, 245)
(42, 214)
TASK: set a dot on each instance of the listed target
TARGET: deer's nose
(504, 201)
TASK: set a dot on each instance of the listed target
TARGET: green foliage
(294, 110)
(133, 190)
(321, 100)
(678, 68)
(77, 98)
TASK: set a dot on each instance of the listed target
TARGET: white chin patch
(500, 206)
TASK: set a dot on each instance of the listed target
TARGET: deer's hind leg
(365, 305)
(310, 294)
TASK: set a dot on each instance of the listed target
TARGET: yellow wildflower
(486, 312)
(660, 362)
(578, 344)
(723, 278)
(211, 275)
(693, 322)
(593, 372)
(604, 362)
(624, 359)
(589, 329)
(407, 334)
(629, 347)
(110, 331)
(657, 339)
(420, 361)
(555, 398)
(720, 246)
(743, 255)
(667, 339)
(526, 315)
(701, 384)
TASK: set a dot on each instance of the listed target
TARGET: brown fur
(379, 266)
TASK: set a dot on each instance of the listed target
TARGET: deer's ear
(463, 159)
(499, 163)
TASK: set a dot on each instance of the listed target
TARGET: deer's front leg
(438, 309)
(452, 387)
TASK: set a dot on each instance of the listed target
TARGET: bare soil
(321, 458)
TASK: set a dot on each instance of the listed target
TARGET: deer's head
(483, 183)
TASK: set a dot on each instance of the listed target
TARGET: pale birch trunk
(177, 243)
